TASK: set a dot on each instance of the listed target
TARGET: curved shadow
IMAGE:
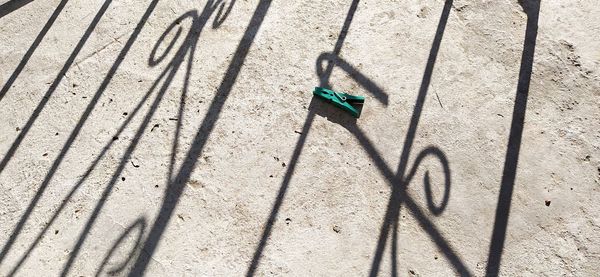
(186, 49)
(441, 157)
(324, 76)
(356, 75)
(176, 185)
(221, 17)
(19, 226)
(140, 226)
(153, 60)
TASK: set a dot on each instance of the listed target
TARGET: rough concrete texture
(180, 138)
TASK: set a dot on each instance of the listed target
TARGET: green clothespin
(341, 100)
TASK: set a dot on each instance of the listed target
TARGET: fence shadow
(532, 9)
(326, 62)
(12, 5)
(32, 48)
(67, 146)
(175, 187)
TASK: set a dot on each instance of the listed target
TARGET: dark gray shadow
(532, 9)
(400, 180)
(177, 184)
(324, 82)
(12, 6)
(36, 112)
(67, 146)
(183, 54)
(140, 226)
(32, 48)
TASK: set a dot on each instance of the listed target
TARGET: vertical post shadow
(399, 182)
(532, 9)
(36, 112)
(186, 49)
(34, 116)
(67, 146)
(324, 76)
(32, 48)
(176, 185)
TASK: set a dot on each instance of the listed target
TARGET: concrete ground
(180, 138)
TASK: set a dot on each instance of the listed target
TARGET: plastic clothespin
(341, 100)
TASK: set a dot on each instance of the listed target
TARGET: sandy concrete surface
(180, 138)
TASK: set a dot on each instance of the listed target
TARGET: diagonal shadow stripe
(32, 48)
(36, 112)
(176, 186)
(67, 146)
(509, 174)
(11, 6)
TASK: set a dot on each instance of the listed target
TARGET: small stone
(337, 229)
(548, 203)
(45, 154)
(115, 138)
(55, 232)
(122, 178)
(283, 164)
(288, 221)
(587, 158)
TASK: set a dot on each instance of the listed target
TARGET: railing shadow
(32, 48)
(36, 112)
(397, 181)
(176, 185)
(11, 6)
(400, 180)
(67, 146)
(532, 9)
(324, 82)
(139, 225)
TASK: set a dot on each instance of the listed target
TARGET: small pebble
(548, 203)
(337, 229)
